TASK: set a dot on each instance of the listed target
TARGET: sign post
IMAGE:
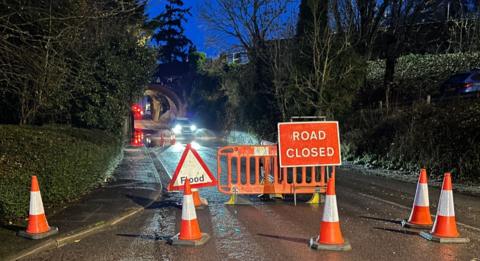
(315, 143)
(191, 167)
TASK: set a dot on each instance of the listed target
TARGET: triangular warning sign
(191, 166)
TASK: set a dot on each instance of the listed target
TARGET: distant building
(237, 58)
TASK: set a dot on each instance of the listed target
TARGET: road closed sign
(193, 168)
(315, 143)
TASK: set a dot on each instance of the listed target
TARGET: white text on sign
(309, 135)
(310, 152)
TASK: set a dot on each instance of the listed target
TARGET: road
(370, 208)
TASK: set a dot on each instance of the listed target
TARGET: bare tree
(282, 58)
(400, 25)
(361, 19)
(250, 22)
(329, 86)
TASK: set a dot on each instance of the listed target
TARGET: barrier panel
(255, 170)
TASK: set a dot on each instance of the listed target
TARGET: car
(183, 126)
(462, 83)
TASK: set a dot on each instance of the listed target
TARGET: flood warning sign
(191, 167)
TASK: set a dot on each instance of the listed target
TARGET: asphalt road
(370, 208)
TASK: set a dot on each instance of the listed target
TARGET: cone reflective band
(420, 214)
(445, 224)
(330, 213)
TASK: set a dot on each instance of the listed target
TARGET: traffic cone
(37, 227)
(190, 234)
(198, 201)
(445, 227)
(330, 237)
(420, 216)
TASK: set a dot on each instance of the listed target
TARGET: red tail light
(468, 85)
(136, 108)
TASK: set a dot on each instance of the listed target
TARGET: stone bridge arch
(177, 106)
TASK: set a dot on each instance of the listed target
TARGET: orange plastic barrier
(255, 170)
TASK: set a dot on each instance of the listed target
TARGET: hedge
(68, 162)
(419, 75)
(442, 137)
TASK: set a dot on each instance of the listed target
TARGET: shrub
(441, 138)
(419, 75)
(69, 162)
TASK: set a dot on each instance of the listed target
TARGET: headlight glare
(177, 129)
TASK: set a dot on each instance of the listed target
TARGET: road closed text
(309, 144)
(309, 135)
(310, 152)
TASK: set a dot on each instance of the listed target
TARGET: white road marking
(407, 208)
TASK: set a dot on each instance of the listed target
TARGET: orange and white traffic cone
(190, 234)
(37, 227)
(198, 201)
(420, 216)
(330, 237)
(445, 227)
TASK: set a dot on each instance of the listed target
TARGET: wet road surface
(370, 208)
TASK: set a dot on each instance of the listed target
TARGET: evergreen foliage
(69, 162)
(173, 45)
(312, 13)
(440, 137)
(416, 75)
(208, 100)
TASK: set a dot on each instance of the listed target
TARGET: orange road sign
(315, 143)
(191, 167)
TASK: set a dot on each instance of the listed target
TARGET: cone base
(236, 200)
(316, 199)
(25, 234)
(406, 224)
(456, 240)
(177, 242)
(313, 244)
(275, 196)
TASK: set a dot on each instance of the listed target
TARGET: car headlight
(195, 145)
(193, 127)
(177, 129)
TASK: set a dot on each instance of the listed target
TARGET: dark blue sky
(194, 29)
